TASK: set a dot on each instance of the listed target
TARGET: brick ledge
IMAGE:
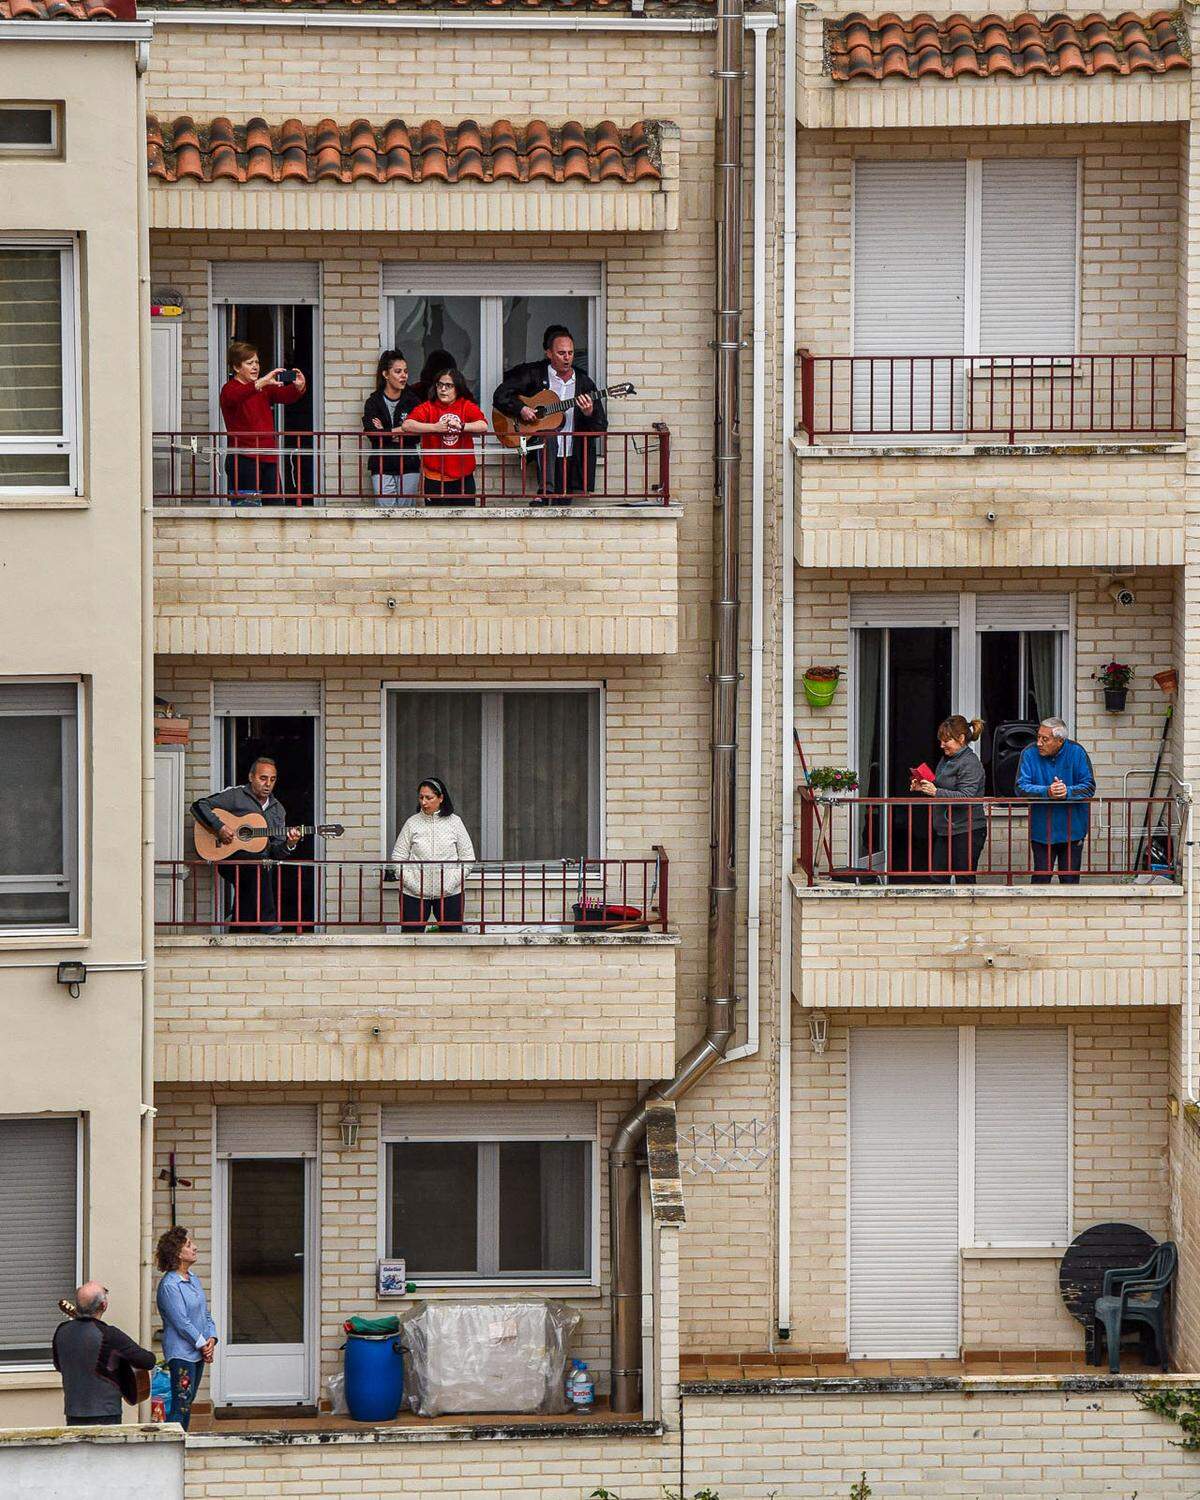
(479, 1432)
(928, 1385)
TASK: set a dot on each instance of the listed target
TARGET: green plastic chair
(1137, 1294)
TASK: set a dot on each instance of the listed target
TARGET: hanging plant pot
(1114, 699)
(820, 684)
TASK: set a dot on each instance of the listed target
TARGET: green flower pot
(819, 692)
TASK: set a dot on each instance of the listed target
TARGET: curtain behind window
(439, 734)
(547, 758)
(31, 369)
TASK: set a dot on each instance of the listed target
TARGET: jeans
(186, 1375)
(1066, 857)
(955, 854)
(250, 477)
(251, 888)
(446, 911)
(449, 491)
(109, 1421)
(396, 491)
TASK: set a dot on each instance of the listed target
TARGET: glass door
(265, 1321)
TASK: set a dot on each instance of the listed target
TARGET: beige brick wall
(446, 1009)
(1120, 1080)
(987, 948)
(606, 584)
(1054, 1445)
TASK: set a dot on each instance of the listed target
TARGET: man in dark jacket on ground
(566, 462)
(96, 1362)
(253, 890)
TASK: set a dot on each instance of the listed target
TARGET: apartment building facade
(967, 492)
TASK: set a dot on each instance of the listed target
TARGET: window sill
(1013, 1252)
(451, 1291)
(15, 941)
(33, 501)
(29, 1378)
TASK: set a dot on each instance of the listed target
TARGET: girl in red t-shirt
(447, 447)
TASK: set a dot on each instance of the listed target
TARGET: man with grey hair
(96, 1362)
(1056, 769)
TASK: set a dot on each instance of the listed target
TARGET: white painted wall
(91, 1464)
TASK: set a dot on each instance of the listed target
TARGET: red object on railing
(867, 840)
(1031, 397)
(302, 895)
(306, 468)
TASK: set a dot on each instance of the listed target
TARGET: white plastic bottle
(581, 1389)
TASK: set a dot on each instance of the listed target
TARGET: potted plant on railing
(820, 684)
(832, 783)
(1114, 677)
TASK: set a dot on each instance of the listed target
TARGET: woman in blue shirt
(189, 1334)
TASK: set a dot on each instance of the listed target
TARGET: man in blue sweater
(1057, 768)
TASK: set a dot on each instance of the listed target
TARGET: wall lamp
(348, 1123)
(818, 1031)
(73, 974)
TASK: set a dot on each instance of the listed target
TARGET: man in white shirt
(567, 459)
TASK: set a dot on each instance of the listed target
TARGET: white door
(903, 1211)
(166, 388)
(169, 884)
(265, 1251)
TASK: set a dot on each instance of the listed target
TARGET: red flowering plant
(1114, 674)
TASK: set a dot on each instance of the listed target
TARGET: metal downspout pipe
(624, 1187)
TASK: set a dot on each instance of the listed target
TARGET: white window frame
(218, 312)
(73, 808)
(496, 282)
(973, 277)
(33, 1366)
(489, 1208)
(26, 106)
(596, 787)
(966, 662)
(68, 440)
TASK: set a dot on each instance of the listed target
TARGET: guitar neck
(558, 406)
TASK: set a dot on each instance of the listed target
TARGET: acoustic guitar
(250, 834)
(141, 1378)
(514, 433)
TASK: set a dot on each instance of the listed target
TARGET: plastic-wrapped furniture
(487, 1356)
(1138, 1294)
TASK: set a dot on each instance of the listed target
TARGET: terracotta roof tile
(67, 10)
(222, 151)
(892, 46)
(388, 5)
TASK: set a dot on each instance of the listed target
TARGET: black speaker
(1011, 737)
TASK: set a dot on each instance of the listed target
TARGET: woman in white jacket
(430, 855)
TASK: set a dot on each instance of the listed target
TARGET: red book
(922, 773)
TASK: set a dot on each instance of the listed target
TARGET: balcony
(879, 921)
(305, 970)
(489, 573)
(960, 460)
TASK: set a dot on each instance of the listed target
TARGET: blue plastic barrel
(374, 1378)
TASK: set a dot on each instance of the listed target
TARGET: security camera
(1122, 597)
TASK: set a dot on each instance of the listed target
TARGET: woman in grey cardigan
(958, 832)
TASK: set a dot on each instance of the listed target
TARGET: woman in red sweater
(446, 423)
(252, 464)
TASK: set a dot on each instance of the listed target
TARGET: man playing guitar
(99, 1364)
(566, 462)
(251, 881)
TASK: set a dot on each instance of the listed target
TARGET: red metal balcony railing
(306, 895)
(1010, 397)
(997, 840)
(337, 468)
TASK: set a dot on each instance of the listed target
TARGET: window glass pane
(38, 1192)
(425, 324)
(34, 883)
(547, 773)
(35, 470)
(439, 734)
(27, 127)
(544, 1207)
(31, 373)
(266, 1252)
(527, 318)
(435, 1206)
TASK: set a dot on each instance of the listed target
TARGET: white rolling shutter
(267, 1130)
(28, 698)
(903, 1224)
(882, 610)
(482, 1122)
(266, 282)
(1029, 256)
(1022, 611)
(270, 699)
(1022, 1135)
(39, 1229)
(416, 278)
